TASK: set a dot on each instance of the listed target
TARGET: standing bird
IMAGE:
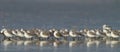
(115, 34)
(45, 34)
(27, 34)
(7, 33)
(20, 34)
(74, 34)
(57, 35)
(65, 33)
(91, 34)
(107, 27)
(100, 33)
(84, 32)
(14, 32)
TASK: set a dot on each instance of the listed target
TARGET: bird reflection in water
(92, 42)
(60, 43)
(28, 42)
(112, 43)
(20, 42)
(74, 43)
(43, 43)
(7, 42)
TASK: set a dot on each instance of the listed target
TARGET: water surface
(59, 14)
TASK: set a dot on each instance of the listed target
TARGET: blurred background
(59, 13)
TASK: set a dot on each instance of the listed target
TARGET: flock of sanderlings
(54, 34)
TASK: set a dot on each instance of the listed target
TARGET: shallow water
(60, 46)
(59, 14)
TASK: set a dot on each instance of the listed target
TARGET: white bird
(20, 33)
(7, 33)
(44, 34)
(107, 27)
(57, 34)
(14, 32)
(115, 34)
(74, 34)
(100, 34)
(64, 32)
(84, 32)
(27, 35)
(91, 34)
(107, 32)
(37, 32)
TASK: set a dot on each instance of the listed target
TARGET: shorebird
(57, 34)
(84, 32)
(20, 33)
(14, 32)
(7, 33)
(27, 34)
(37, 32)
(64, 32)
(107, 27)
(100, 33)
(91, 34)
(115, 34)
(44, 34)
(74, 34)
(51, 31)
(107, 32)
